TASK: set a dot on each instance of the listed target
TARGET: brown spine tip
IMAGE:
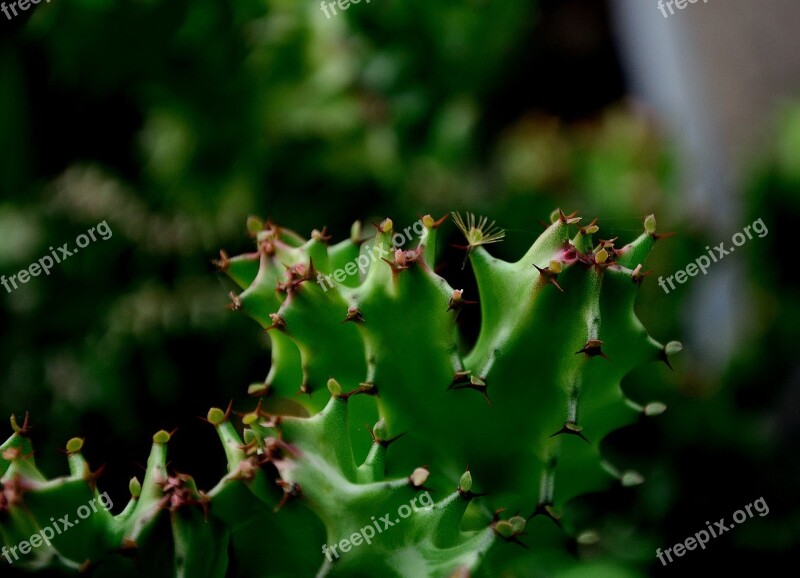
(366, 388)
(457, 301)
(25, 428)
(291, 490)
(570, 219)
(460, 377)
(637, 276)
(659, 236)
(590, 229)
(593, 348)
(278, 322)
(236, 302)
(223, 262)
(465, 380)
(547, 510)
(321, 236)
(430, 223)
(548, 277)
(353, 315)
(404, 259)
(571, 428)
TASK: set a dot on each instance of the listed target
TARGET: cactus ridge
(365, 332)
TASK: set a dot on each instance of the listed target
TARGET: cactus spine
(366, 332)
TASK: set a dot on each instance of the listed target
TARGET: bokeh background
(174, 121)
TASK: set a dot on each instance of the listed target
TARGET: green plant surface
(520, 414)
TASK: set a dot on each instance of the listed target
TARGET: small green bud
(588, 538)
(555, 267)
(334, 387)
(258, 389)
(215, 416)
(161, 437)
(419, 477)
(249, 436)
(428, 221)
(504, 528)
(591, 230)
(379, 431)
(517, 523)
(555, 216)
(552, 512)
(673, 347)
(135, 486)
(250, 418)
(74, 445)
(254, 225)
(386, 225)
(602, 256)
(465, 485)
(632, 478)
(654, 408)
(650, 224)
(355, 232)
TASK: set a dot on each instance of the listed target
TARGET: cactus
(364, 332)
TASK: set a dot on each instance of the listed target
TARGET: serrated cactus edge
(520, 416)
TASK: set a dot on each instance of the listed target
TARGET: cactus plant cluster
(520, 415)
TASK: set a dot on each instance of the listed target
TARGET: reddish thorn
(223, 262)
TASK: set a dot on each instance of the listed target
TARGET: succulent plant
(365, 332)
